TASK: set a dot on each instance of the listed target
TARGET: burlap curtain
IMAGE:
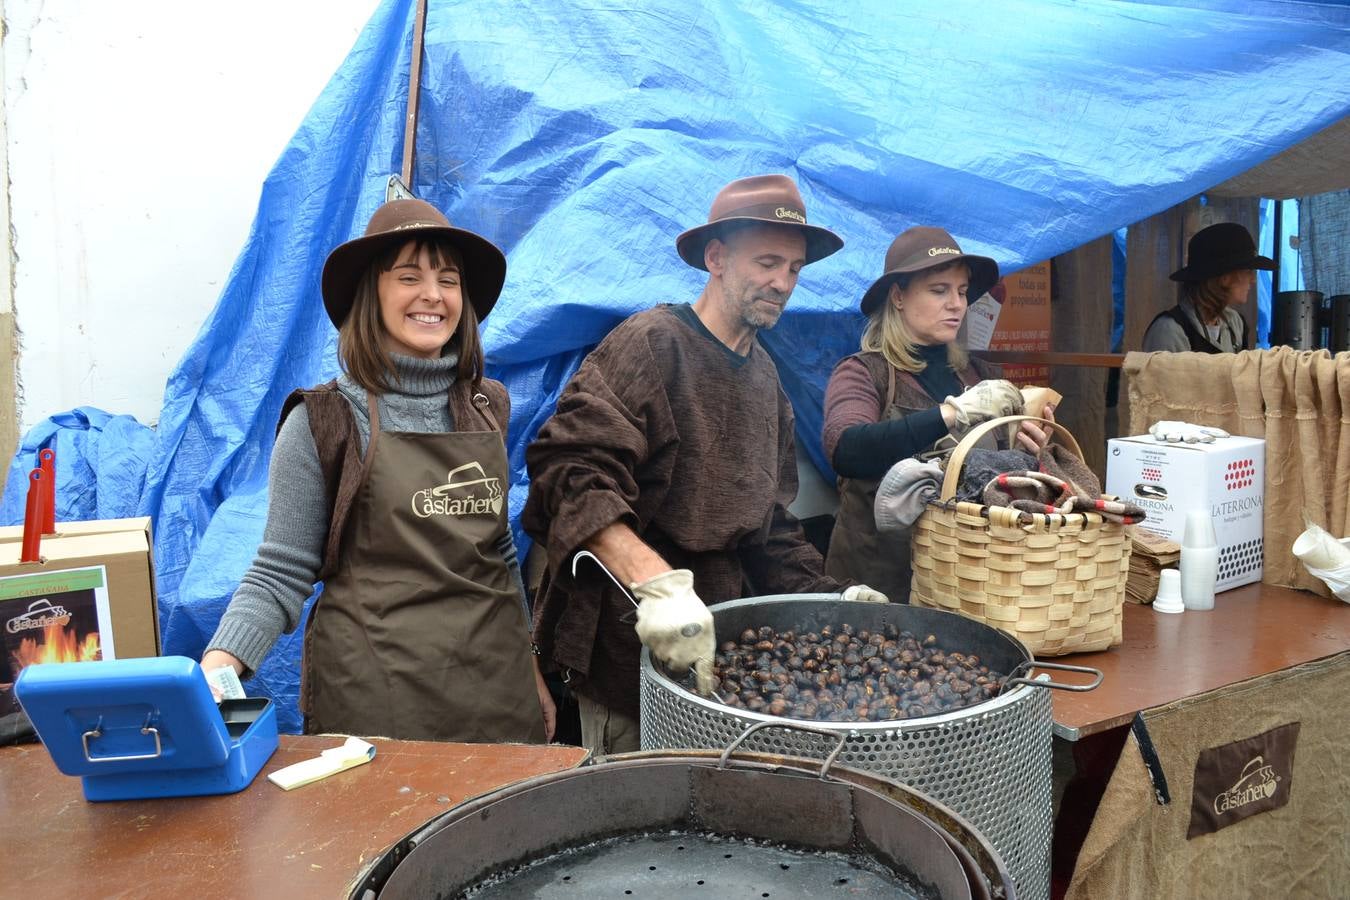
(1297, 400)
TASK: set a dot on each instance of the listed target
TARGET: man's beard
(758, 317)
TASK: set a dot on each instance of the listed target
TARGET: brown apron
(421, 633)
(857, 551)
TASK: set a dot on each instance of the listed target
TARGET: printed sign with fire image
(52, 618)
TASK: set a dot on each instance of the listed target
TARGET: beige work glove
(864, 593)
(1185, 432)
(676, 625)
(981, 402)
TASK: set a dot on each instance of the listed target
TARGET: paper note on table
(981, 319)
(354, 752)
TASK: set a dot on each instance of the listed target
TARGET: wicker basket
(1056, 582)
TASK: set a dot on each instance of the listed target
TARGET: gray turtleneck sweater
(272, 593)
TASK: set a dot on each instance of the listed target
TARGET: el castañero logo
(40, 614)
(461, 495)
(1257, 782)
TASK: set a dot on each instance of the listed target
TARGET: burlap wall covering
(1297, 400)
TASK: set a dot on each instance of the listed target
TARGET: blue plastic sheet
(100, 465)
(583, 137)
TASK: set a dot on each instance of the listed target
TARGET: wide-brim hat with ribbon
(1218, 250)
(393, 224)
(924, 247)
(771, 199)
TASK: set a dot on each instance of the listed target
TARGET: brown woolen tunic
(666, 429)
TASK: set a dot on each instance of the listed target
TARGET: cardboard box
(10, 533)
(1226, 477)
(92, 596)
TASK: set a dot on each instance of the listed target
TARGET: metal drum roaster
(990, 762)
(691, 824)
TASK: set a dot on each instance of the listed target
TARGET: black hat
(1219, 249)
(923, 247)
(393, 224)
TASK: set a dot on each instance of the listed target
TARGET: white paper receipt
(331, 761)
(226, 681)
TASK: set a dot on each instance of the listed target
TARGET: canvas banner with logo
(1273, 823)
(1239, 780)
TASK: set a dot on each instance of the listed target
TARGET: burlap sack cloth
(1297, 400)
(1137, 848)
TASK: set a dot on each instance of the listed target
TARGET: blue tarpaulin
(583, 137)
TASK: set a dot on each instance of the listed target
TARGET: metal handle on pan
(1037, 664)
(97, 731)
(842, 737)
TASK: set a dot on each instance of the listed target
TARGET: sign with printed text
(53, 617)
(1023, 321)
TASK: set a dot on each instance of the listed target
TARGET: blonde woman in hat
(389, 485)
(911, 386)
(1221, 264)
(670, 458)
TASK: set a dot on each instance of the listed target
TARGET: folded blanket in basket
(1057, 483)
(1040, 492)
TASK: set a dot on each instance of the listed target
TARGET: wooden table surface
(261, 842)
(1252, 631)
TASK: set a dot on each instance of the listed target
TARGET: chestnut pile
(847, 675)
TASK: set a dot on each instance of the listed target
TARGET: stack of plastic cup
(1199, 560)
(1169, 593)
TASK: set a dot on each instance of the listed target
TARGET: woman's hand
(545, 702)
(217, 659)
(1031, 437)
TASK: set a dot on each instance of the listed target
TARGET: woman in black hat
(911, 386)
(389, 486)
(1221, 264)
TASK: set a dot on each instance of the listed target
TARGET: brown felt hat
(393, 224)
(772, 199)
(923, 247)
(1218, 250)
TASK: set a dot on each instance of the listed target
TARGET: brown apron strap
(480, 403)
(373, 405)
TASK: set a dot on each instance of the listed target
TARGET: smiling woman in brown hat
(911, 386)
(1221, 264)
(388, 485)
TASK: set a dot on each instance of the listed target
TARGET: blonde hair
(1208, 297)
(887, 333)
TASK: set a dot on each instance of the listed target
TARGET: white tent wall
(138, 136)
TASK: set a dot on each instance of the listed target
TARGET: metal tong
(629, 618)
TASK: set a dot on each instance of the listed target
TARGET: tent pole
(414, 93)
(1278, 228)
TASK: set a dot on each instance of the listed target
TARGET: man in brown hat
(670, 457)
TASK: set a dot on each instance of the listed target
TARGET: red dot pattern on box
(1151, 474)
(1239, 475)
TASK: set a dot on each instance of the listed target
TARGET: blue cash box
(138, 728)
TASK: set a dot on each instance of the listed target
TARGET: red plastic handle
(47, 462)
(32, 520)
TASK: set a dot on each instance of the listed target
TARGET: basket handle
(840, 736)
(958, 458)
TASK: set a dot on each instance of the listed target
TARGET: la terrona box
(1226, 477)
